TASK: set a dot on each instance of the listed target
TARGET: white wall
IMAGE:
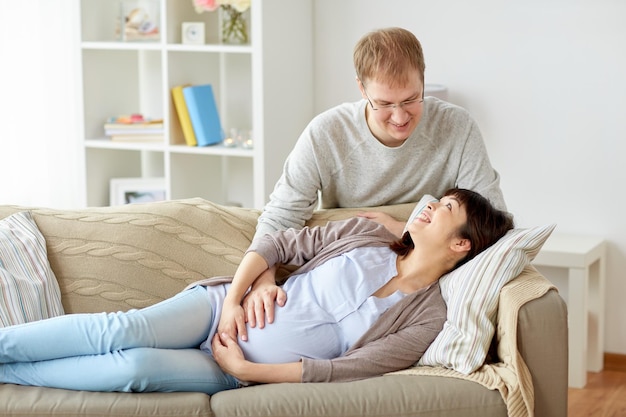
(39, 156)
(546, 81)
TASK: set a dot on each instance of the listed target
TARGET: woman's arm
(230, 358)
(232, 320)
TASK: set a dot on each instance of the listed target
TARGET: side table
(585, 259)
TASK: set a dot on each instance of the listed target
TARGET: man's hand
(258, 304)
(394, 226)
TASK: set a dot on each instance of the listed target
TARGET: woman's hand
(394, 226)
(229, 357)
(233, 321)
(259, 303)
(228, 354)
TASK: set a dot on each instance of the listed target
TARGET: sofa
(132, 256)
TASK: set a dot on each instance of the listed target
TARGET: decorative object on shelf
(246, 142)
(136, 190)
(233, 26)
(233, 17)
(231, 140)
(238, 138)
(436, 90)
(138, 21)
(193, 33)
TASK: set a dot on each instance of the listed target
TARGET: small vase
(233, 25)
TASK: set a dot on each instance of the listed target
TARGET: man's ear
(359, 83)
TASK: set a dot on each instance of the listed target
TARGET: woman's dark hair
(485, 224)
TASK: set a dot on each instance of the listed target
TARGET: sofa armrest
(543, 343)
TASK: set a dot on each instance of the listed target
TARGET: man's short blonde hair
(389, 55)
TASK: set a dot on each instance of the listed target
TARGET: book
(158, 137)
(203, 113)
(134, 124)
(183, 114)
(108, 131)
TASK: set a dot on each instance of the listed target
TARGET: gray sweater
(338, 155)
(397, 340)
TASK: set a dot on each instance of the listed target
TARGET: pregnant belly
(293, 335)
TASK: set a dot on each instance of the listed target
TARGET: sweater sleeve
(295, 194)
(476, 172)
(396, 341)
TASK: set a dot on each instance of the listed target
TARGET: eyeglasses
(410, 104)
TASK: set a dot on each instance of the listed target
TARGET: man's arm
(295, 194)
(394, 226)
(476, 172)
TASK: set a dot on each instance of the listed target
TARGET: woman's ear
(462, 245)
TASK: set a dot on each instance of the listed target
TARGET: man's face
(393, 112)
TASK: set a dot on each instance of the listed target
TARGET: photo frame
(136, 190)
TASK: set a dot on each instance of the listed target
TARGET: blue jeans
(152, 349)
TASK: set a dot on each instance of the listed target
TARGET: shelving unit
(264, 86)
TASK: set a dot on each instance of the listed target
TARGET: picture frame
(136, 190)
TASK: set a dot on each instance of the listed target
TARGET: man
(392, 147)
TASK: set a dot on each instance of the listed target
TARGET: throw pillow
(427, 198)
(472, 292)
(28, 288)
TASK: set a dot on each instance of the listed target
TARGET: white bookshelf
(264, 86)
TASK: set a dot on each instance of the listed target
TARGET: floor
(603, 396)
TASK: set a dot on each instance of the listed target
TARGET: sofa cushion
(28, 287)
(384, 396)
(18, 400)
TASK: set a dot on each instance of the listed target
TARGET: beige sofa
(116, 258)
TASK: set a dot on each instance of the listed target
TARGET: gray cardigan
(397, 339)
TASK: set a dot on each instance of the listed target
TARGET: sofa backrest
(131, 256)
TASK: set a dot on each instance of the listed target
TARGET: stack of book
(134, 128)
(197, 112)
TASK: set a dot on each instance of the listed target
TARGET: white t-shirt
(327, 309)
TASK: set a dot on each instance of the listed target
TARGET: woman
(362, 304)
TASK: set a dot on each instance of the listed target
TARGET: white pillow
(427, 198)
(471, 293)
(28, 288)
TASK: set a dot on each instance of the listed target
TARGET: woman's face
(439, 220)
(398, 109)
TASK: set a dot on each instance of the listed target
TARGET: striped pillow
(28, 288)
(472, 292)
